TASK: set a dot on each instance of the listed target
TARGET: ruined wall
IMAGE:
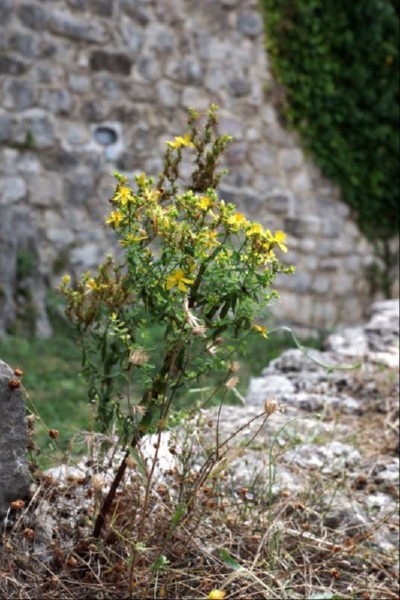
(89, 86)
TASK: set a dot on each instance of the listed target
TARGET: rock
(14, 473)
(330, 458)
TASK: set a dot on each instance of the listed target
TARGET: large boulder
(14, 472)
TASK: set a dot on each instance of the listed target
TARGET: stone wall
(88, 86)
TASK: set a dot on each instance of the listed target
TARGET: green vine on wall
(338, 63)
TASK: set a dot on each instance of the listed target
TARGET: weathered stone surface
(33, 16)
(14, 474)
(141, 63)
(63, 23)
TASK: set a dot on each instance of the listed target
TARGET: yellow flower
(124, 195)
(180, 141)
(92, 284)
(255, 229)
(178, 278)
(237, 220)
(279, 238)
(115, 218)
(131, 238)
(216, 595)
(205, 203)
(151, 195)
(261, 330)
(65, 279)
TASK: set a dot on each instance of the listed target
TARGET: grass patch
(57, 391)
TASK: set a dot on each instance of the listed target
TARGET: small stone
(262, 387)
(25, 44)
(148, 68)
(46, 190)
(33, 16)
(80, 189)
(188, 72)
(133, 36)
(56, 101)
(303, 226)
(19, 95)
(250, 23)
(168, 94)
(14, 474)
(6, 11)
(11, 66)
(79, 83)
(86, 256)
(239, 85)
(63, 23)
(12, 189)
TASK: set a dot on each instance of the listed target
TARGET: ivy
(338, 63)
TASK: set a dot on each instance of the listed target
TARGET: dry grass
(243, 541)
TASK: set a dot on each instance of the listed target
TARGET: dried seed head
(54, 434)
(28, 533)
(200, 330)
(18, 372)
(271, 405)
(234, 367)
(231, 383)
(130, 462)
(14, 384)
(17, 504)
(138, 357)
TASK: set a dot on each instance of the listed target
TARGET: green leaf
(228, 560)
(138, 460)
(178, 514)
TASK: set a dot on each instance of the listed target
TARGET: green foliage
(338, 62)
(194, 267)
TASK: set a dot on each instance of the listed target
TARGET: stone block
(19, 95)
(12, 189)
(46, 190)
(63, 23)
(167, 94)
(37, 126)
(132, 36)
(291, 159)
(278, 202)
(14, 473)
(303, 226)
(79, 83)
(79, 189)
(25, 44)
(11, 66)
(239, 84)
(6, 11)
(33, 16)
(56, 101)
